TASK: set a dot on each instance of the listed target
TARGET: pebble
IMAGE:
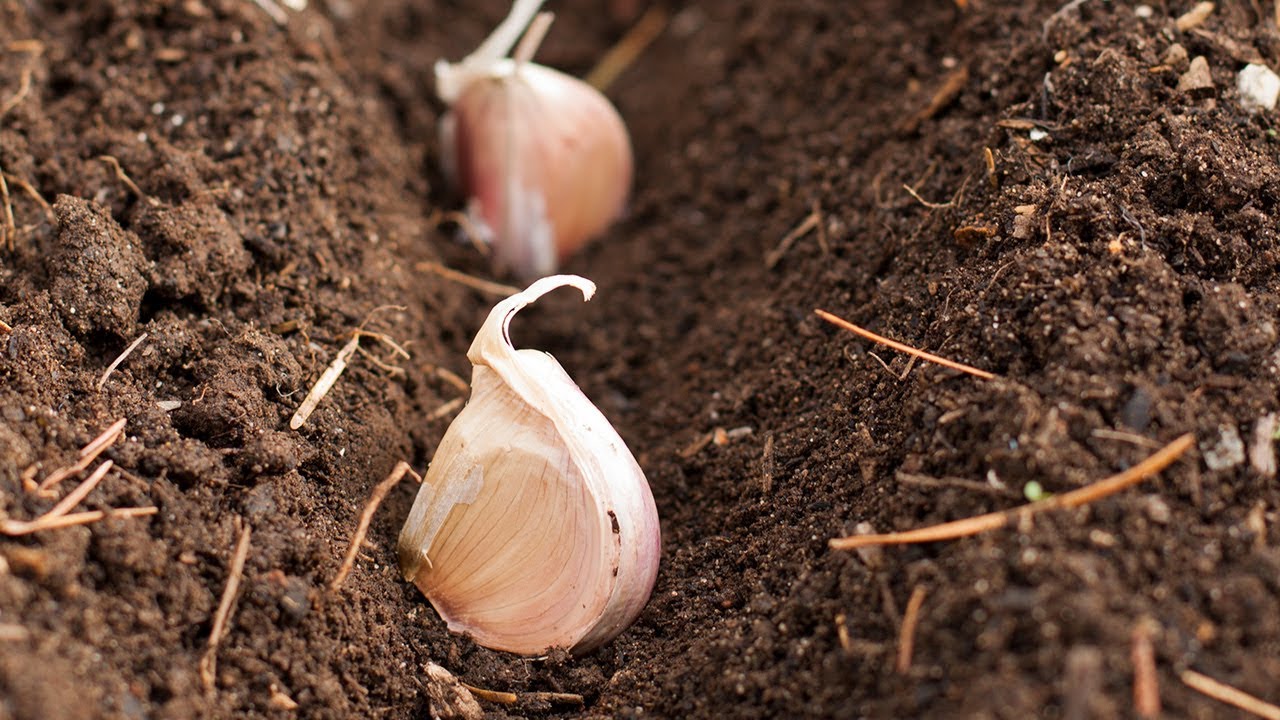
(1197, 81)
(1259, 87)
(1227, 452)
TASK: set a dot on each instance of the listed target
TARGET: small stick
(907, 478)
(125, 179)
(557, 698)
(209, 662)
(24, 87)
(841, 322)
(446, 408)
(88, 454)
(624, 54)
(495, 696)
(926, 203)
(9, 230)
(907, 638)
(811, 221)
(1229, 695)
(767, 465)
(1146, 683)
(450, 377)
(509, 698)
(951, 87)
(32, 193)
(82, 490)
(991, 521)
(389, 369)
(385, 340)
(475, 283)
(324, 383)
(375, 499)
(14, 528)
(102, 381)
(5, 327)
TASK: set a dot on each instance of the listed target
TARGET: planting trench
(1102, 241)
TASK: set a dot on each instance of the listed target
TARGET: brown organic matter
(1124, 290)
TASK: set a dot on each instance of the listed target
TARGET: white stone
(1259, 87)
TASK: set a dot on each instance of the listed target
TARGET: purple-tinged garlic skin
(543, 158)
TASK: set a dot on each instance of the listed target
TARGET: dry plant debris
(991, 521)
(485, 286)
(61, 516)
(335, 369)
(88, 454)
(907, 638)
(1229, 695)
(841, 322)
(1146, 683)
(510, 698)
(209, 662)
(8, 229)
(106, 374)
(357, 538)
(811, 222)
(622, 55)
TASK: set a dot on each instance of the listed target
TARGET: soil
(1020, 186)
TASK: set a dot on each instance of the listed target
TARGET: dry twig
(88, 454)
(102, 381)
(812, 221)
(446, 408)
(950, 89)
(61, 516)
(5, 327)
(209, 662)
(24, 87)
(841, 322)
(125, 179)
(475, 283)
(1146, 683)
(8, 229)
(32, 193)
(510, 698)
(1229, 695)
(324, 383)
(362, 528)
(624, 54)
(931, 205)
(449, 377)
(907, 638)
(991, 521)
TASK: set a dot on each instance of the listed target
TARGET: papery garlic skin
(544, 158)
(535, 527)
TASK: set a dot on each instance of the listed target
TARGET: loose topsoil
(1021, 186)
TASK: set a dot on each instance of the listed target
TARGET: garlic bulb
(543, 158)
(534, 527)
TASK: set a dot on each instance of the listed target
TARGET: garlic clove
(534, 527)
(544, 158)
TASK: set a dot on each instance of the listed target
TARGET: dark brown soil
(1116, 267)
